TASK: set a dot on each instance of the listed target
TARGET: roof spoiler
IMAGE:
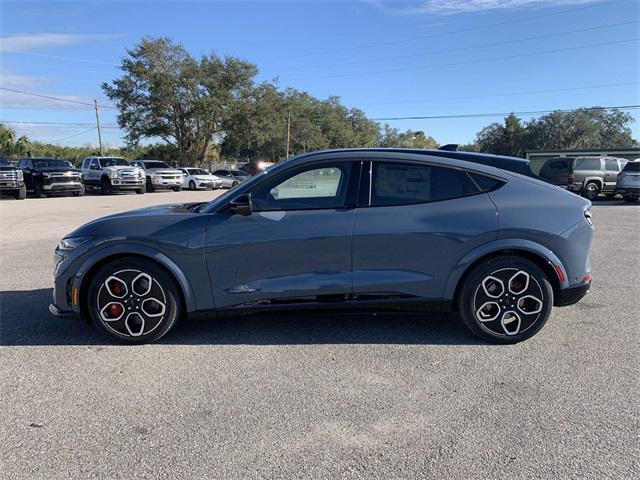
(449, 147)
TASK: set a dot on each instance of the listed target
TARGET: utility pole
(288, 133)
(95, 104)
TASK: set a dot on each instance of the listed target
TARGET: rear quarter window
(484, 183)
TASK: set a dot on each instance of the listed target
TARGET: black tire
(38, 190)
(21, 193)
(192, 185)
(591, 191)
(150, 187)
(141, 191)
(79, 193)
(105, 186)
(134, 325)
(474, 295)
(234, 184)
(177, 189)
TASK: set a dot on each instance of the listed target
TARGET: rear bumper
(628, 190)
(569, 296)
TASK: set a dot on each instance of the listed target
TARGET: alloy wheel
(131, 303)
(508, 301)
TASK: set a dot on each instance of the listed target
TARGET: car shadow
(25, 320)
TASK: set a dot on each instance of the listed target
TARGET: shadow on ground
(25, 320)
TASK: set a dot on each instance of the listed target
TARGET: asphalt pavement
(314, 395)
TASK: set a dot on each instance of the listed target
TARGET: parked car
(253, 168)
(11, 180)
(587, 176)
(197, 178)
(374, 228)
(160, 175)
(112, 174)
(231, 178)
(44, 176)
(629, 181)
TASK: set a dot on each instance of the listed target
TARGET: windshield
(239, 173)
(49, 163)
(155, 165)
(113, 162)
(632, 167)
(197, 171)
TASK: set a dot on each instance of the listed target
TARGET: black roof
(511, 164)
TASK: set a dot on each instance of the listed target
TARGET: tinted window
(49, 163)
(239, 173)
(632, 167)
(485, 183)
(611, 164)
(405, 184)
(197, 171)
(221, 173)
(155, 165)
(557, 165)
(321, 186)
(113, 162)
(588, 164)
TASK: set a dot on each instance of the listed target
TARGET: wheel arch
(541, 256)
(91, 266)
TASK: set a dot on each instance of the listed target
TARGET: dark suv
(44, 176)
(11, 180)
(586, 176)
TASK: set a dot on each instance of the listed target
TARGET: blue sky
(392, 59)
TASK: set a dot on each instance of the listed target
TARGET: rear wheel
(21, 193)
(79, 193)
(134, 300)
(505, 299)
(591, 190)
(150, 188)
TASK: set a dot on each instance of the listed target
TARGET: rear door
(413, 225)
(610, 174)
(296, 244)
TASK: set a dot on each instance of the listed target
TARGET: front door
(295, 247)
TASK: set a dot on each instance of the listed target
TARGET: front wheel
(505, 300)
(79, 193)
(134, 300)
(177, 189)
(234, 184)
(38, 191)
(21, 193)
(105, 186)
(192, 185)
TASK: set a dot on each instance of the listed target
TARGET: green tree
(166, 93)
(7, 140)
(392, 137)
(507, 139)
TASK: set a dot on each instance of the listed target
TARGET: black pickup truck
(11, 180)
(44, 176)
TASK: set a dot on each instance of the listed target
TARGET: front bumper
(127, 184)
(58, 312)
(11, 185)
(63, 187)
(572, 295)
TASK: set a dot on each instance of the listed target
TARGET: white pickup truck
(160, 175)
(111, 174)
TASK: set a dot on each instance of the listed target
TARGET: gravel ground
(313, 395)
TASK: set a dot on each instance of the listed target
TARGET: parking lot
(317, 395)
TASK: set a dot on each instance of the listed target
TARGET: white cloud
(21, 43)
(16, 100)
(448, 7)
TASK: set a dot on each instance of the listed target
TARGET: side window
(611, 164)
(587, 163)
(95, 162)
(406, 184)
(315, 187)
(485, 184)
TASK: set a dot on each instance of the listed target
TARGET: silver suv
(160, 175)
(587, 176)
(629, 181)
(111, 174)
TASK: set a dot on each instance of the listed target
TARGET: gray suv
(377, 229)
(586, 176)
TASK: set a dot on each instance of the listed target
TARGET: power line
(465, 62)
(49, 97)
(74, 135)
(497, 95)
(440, 34)
(76, 124)
(501, 114)
(58, 57)
(459, 49)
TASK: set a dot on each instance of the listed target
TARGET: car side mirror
(241, 205)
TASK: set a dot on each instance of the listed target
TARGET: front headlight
(19, 175)
(70, 243)
(113, 173)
